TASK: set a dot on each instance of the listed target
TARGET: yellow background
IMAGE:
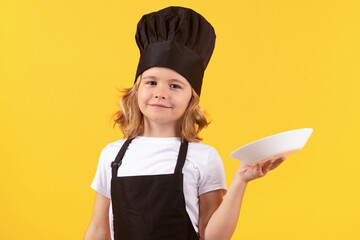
(278, 65)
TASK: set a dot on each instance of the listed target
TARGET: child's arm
(99, 228)
(222, 223)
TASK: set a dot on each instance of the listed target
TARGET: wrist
(245, 175)
(240, 181)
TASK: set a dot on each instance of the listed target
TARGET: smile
(158, 106)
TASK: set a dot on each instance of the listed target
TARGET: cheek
(142, 97)
(141, 101)
(183, 102)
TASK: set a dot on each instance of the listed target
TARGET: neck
(159, 130)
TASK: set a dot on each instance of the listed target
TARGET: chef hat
(177, 38)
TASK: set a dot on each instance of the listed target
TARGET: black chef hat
(177, 38)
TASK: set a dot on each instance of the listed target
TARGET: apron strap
(181, 157)
(118, 160)
(179, 164)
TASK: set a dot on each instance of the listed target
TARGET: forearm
(222, 223)
(96, 233)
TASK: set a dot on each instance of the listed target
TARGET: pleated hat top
(178, 38)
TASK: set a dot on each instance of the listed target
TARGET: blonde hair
(131, 120)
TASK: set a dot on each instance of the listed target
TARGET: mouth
(158, 106)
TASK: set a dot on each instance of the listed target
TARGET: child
(160, 182)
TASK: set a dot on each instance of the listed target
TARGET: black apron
(150, 207)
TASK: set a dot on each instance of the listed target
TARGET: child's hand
(250, 172)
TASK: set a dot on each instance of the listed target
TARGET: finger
(277, 162)
(258, 170)
(266, 166)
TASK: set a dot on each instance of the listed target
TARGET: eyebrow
(152, 77)
(171, 80)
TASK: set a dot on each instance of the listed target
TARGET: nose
(159, 97)
(160, 93)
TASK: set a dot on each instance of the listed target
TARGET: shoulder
(117, 144)
(201, 148)
(108, 153)
(203, 153)
(209, 165)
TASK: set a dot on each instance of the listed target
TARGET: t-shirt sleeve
(212, 175)
(101, 181)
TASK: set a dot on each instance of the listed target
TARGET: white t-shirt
(203, 169)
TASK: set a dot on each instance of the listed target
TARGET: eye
(174, 86)
(151, 83)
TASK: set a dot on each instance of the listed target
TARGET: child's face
(163, 95)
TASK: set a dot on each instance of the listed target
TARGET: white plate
(273, 147)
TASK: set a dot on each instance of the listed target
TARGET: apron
(150, 207)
